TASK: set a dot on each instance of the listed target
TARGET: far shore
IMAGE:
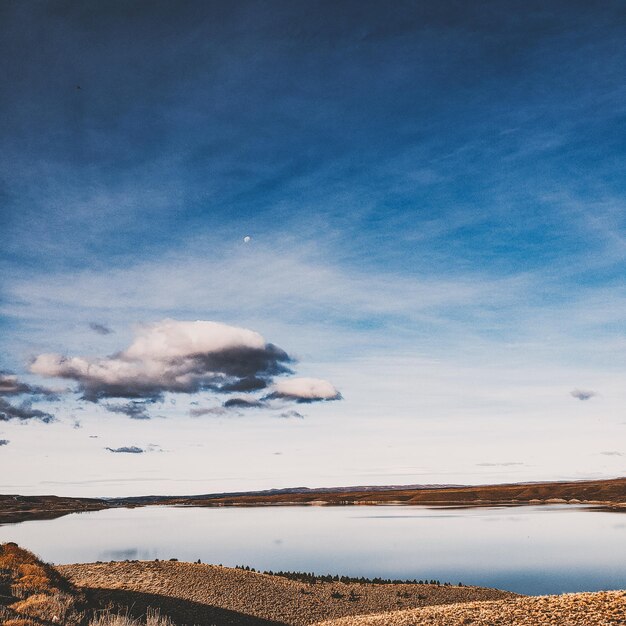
(606, 495)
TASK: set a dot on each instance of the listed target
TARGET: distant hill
(606, 494)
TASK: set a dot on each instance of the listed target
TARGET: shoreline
(599, 495)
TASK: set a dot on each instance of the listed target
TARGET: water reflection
(549, 549)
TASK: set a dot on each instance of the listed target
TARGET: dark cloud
(243, 403)
(127, 450)
(298, 399)
(250, 383)
(4, 442)
(583, 394)
(22, 412)
(10, 385)
(247, 363)
(291, 414)
(134, 410)
(101, 329)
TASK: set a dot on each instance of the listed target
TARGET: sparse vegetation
(312, 579)
(109, 618)
(33, 592)
(200, 594)
(606, 608)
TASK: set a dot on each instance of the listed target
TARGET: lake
(528, 549)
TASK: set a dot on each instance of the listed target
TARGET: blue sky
(434, 195)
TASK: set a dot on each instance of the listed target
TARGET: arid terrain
(605, 494)
(32, 592)
(201, 594)
(169, 593)
(576, 609)
(14, 508)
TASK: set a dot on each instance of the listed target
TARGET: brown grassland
(153, 593)
(608, 494)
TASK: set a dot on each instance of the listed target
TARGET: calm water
(534, 550)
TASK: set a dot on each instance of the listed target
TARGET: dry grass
(606, 608)
(25, 574)
(58, 607)
(34, 593)
(153, 618)
(194, 593)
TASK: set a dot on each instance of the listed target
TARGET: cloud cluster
(305, 390)
(173, 356)
(11, 386)
(583, 394)
(23, 411)
(135, 410)
(4, 442)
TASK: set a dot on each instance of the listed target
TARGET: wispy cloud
(100, 329)
(502, 464)
(291, 415)
(200, 411)
(583, 394)
(134, 410)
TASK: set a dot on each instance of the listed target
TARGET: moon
(247, 239)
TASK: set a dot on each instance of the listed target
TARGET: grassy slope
(207, 594)
(34, 593)
(581, 609)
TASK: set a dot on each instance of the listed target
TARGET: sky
(256, 245)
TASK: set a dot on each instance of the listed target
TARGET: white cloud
(305, 390)
(175, 356)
